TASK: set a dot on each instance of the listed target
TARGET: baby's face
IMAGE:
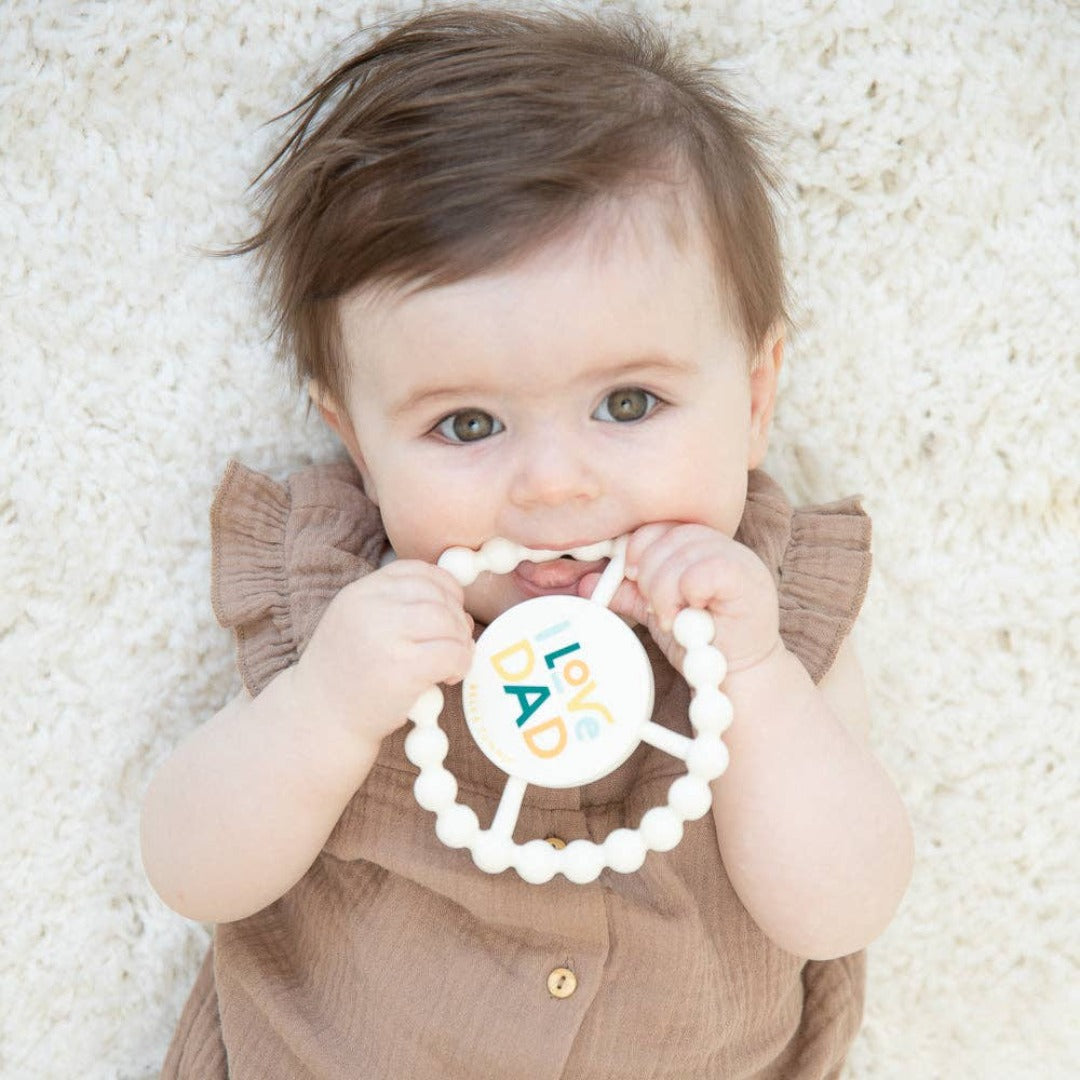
(591, 388)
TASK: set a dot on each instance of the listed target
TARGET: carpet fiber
(931, 237)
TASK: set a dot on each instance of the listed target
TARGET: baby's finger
(432, 618)
(702, 574)
(627, 600)
(709, 581)
(444, 659)
(662, 566)
(641, 540)
(420, 578)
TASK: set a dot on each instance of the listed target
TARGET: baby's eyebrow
(429, 396)
(660, 363)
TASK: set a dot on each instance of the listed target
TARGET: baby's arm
(814, 836)
(242, 808)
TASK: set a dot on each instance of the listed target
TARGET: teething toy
(560, 694)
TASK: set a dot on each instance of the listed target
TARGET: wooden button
(562, 982)
(557, 842)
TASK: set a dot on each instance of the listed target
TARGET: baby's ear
(339, 420)
(328, 408)
(763, 382)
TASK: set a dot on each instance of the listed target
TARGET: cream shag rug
(931, 155)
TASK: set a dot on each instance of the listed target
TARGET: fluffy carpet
(931, 234)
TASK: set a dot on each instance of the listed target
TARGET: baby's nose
(551, 472)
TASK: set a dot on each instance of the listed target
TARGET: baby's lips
(558, 573)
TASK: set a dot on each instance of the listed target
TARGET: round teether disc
(559, 691)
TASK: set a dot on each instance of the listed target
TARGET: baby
(528, 269)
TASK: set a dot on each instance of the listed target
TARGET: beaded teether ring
(560, 694)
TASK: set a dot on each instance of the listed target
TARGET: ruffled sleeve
(280, 553)
(820, 559)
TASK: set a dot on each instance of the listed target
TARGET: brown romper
(395, 958)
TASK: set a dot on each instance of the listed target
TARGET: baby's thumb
(627, 600)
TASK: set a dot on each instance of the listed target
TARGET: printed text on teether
(530, 682)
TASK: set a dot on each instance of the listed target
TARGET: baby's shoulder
(820, 559)
(281, 549)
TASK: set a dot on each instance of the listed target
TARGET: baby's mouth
(558, 575)
(537, 570)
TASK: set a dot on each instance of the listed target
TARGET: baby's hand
(672, 566)
(381, 642)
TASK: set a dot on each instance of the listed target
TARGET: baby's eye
(468, 425)
(626, 405)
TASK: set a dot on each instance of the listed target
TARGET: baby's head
(530, 269)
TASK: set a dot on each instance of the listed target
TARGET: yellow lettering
(578, 702)
(528, 658)
(560, 735)
(576, 672)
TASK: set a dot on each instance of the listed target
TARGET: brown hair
(466, 137)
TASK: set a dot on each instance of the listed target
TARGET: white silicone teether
(548, 710)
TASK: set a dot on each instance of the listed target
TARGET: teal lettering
(551, 657)
(530, 698)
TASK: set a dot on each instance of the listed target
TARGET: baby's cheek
(408, 538)
(487, 598)
(730, 514)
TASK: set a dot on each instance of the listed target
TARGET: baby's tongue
(559, 573)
